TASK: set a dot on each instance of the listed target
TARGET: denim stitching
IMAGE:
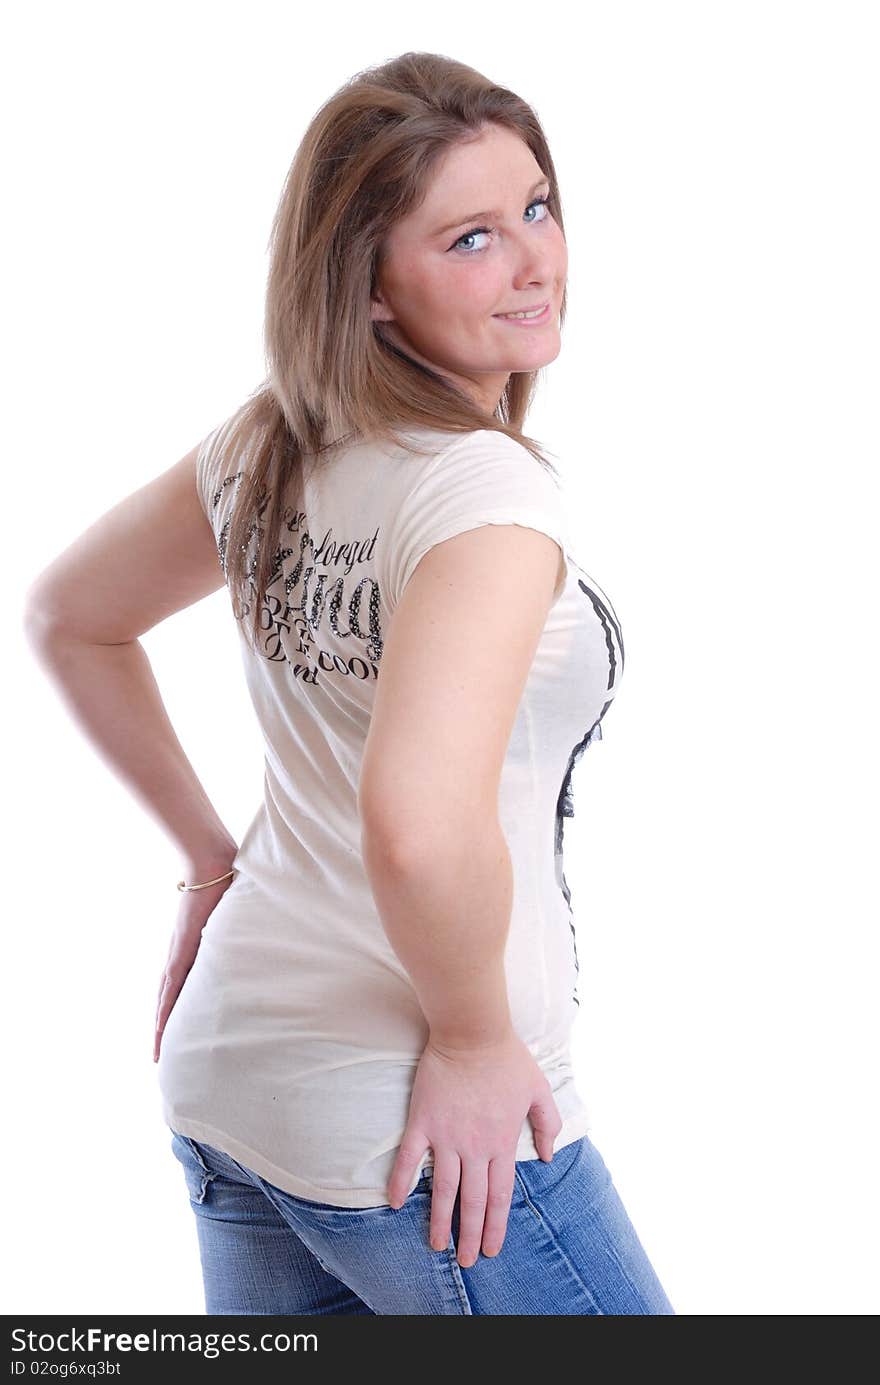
(279, 1208)
(450, 1253)
(206, 1173)
(457, 1279)
(552, 1234)
(636, 1289)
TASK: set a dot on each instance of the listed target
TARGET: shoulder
(482, 454)
(479, 478)
(216, 468)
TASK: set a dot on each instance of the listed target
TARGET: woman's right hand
(468, 1105)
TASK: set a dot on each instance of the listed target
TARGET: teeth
(535, 313)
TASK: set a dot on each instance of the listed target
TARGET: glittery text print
(320, 611)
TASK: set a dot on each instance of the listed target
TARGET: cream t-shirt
(294, 1041)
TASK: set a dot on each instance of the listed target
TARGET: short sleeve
(486, 478)
(211, 475)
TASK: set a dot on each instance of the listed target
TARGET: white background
(714, 414)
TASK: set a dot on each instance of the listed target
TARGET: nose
(538, 267)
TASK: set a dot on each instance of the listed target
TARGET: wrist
(197, 870)
(470, 1012)
(461, 1041)
(209, 849)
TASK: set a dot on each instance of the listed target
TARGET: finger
(409, 1157)
(158, 1031)
(502, 1173)
(166, 1005)
(472, 1214)
(546, 1125)
(444, 1189)
(166, 994)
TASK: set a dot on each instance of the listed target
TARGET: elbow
(383, 843)
(409, 842)
(37, 620)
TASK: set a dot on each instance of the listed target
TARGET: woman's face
(448, 274)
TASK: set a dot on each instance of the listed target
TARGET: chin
(536, 360)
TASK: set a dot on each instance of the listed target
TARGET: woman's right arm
(445, 904)
(456, 659)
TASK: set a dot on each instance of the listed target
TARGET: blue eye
(488, 230)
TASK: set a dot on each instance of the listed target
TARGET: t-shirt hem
(573, 1128)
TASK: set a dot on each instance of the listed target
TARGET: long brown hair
(365, 161)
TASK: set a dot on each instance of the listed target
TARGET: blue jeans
(569, 1248)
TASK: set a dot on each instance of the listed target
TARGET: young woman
(363, 1027)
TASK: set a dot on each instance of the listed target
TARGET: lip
(526, 321)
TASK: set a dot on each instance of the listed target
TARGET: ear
(379, 310)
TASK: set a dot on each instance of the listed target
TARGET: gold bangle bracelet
(204, 886)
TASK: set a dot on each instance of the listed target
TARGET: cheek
(473, 289)
(426, 293)
(561, 249)
(453, 295)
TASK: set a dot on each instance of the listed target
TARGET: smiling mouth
(539, 314)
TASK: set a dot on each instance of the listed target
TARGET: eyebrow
(485, 216)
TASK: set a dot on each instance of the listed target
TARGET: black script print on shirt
(565, 801)
(313, 584)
